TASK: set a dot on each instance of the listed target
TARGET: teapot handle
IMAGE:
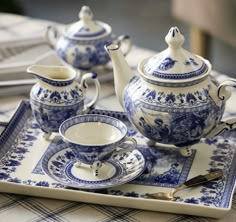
(51, 36)
(124, 40)
(92, 76)
(224, 94)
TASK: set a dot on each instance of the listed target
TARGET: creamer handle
(92, 76)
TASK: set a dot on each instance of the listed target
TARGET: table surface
(26, 208)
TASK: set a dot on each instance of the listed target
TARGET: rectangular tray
(22, 147)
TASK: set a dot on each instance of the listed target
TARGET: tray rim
(129, 202)
(113, 200)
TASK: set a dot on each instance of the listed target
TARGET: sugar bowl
(82, 43)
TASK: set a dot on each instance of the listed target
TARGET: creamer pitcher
(57, 96)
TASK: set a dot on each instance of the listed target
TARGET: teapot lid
(174, 63)
(86, 27)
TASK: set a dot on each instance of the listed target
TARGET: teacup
(95, 138)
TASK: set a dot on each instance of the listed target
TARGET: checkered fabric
(26, 208)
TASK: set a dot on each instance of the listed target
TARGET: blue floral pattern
(213, 193)
(167, 64)
(50, 117)
(58, 162)
(52, 104)
(18, 140)
(179, 100)
(190, 61)
(180, 129)
(89, 154)
(68, 96)
(176, 167)
(165, 117)
(84, 54)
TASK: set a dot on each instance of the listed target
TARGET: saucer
(58, 163)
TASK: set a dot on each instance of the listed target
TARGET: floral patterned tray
(22, 147)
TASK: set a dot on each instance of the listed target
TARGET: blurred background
(208, 25)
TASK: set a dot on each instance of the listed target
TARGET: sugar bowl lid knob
(86, 14)
(174, 38)
(87, 27)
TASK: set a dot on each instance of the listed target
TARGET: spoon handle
(203, 178)
(198, 180)
(189, 183)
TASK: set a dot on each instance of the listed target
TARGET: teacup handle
(223, 94)
(51, 36)
(92, 76)
(124, 40)
(124, 150)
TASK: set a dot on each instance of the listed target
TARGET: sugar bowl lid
(174, 64)
(86, 27)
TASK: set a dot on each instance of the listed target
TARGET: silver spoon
(189, 183)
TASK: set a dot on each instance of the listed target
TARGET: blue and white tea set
(172, 101)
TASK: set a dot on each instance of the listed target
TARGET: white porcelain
(95, 138)
(82, 43)
(57, 96)
(173, 99)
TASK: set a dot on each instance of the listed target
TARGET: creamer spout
(53, 75)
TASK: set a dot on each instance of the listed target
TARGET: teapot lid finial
(86, 13)
(174, 38)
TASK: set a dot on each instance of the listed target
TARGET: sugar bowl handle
(223, 95)
(85, 77)
(51, 36)
(125, 42)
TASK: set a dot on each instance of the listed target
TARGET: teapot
(82, 43)
(173, 100)
(58, 96)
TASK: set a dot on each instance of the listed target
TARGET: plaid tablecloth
(19, 35)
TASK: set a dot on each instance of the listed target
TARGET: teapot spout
(122, 72)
